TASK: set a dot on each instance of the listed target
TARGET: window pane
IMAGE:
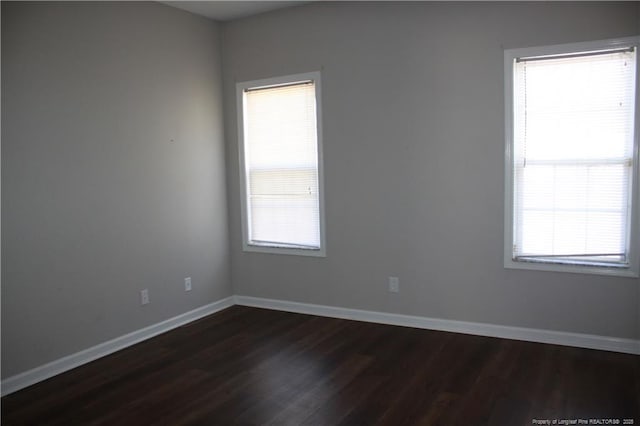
(284, 206)
(573, 152)
(578, 107)
(281, 162)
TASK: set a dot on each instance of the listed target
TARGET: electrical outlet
(187, 284)
(394, 285)
(144, 296)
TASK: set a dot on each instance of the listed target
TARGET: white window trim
(634, 254)
(276, 81)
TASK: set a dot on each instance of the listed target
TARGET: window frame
(632, 270)
(248, 246)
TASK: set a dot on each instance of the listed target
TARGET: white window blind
(573, 156)
(281, 166)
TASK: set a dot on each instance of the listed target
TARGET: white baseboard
(61, 365)
(589, 341)
(38, 374)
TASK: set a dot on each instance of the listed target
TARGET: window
(281, 165)
(572, 158)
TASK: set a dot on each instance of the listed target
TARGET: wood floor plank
(250, 366)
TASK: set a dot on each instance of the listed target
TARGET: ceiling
(229, 10)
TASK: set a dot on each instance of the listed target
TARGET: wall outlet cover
(394, 285)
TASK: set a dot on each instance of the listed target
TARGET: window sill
(283, 250)
(614, 271)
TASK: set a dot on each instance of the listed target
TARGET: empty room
(320, 213)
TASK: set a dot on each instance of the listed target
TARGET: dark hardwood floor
(255, 366)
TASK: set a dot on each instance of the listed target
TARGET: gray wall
(113, 176)
(113, 166)
(413, 142)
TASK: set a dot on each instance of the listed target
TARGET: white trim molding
(563, 338)
(241, 93)
(43, 372)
